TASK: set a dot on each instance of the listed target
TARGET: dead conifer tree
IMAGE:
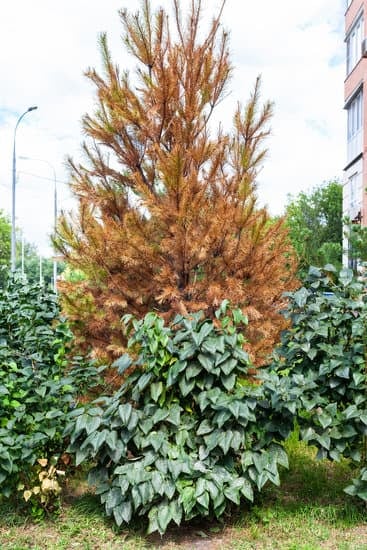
(167, 212)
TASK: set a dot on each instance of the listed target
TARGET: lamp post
(55, 209)
(13, 237)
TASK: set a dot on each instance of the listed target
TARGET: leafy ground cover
(39, 383)
(187, 435)
(309, 511)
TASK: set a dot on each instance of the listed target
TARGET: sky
(297, 47)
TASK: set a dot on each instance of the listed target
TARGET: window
(354, 44)
(354, 196)
(353, 202)
(355, 116)
(355, 120)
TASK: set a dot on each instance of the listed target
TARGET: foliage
(187, 434)
(72, 275)
(357, 243)
(358, 487)
(168, 218)
(38, 382)
(44, 489)
(316, 227)
(31, 257)
(326, 347)
(32, 265)
(5, 237)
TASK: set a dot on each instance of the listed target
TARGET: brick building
(355, 97)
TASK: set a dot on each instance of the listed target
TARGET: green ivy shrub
(323, 354)
(38, 383)
(187, 434)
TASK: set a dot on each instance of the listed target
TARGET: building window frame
(355, 114)
(353, 41)
(354, 199)
(354, 109)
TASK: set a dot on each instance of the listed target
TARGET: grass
(309, 511)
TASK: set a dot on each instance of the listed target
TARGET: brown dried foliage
(167, 215)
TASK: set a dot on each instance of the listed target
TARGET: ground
(309, 511)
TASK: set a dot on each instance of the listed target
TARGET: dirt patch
(355, 537)
(189, 538)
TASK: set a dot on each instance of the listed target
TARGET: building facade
(355, 98)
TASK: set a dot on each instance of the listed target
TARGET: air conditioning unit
(364, 47)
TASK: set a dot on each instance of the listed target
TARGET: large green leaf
(225, 440)
(122, 363)
(186, 386)
(187, 352)
(207, 361)
(212, 488)
(125, 413)
(147, 492)
(205, 427)
(157, 482)
(169, 489)
(114, 498)
(159, 415)
(233, 494)
(300, 297)
(80, 456)
(206, 329)
(174, 415)
(193, 370)
(247, 490)
(229, 381)
(204, 500)
(188, 499)
(237, 440)
(155, 439)
(111, 439)
(174, 371)
(144, 381)
(228, 366)
(221, 417)
(156, 390)
(351, 412)
(176, 511)
(123, 512)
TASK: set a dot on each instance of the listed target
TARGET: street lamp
(13, 238)
(55, 209)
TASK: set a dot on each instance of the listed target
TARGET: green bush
(187, 434)
(323, 354)
(38, 384)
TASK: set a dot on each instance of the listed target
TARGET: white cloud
(46, 46)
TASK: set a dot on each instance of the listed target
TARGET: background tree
(315, 221)
(32, 264)
(5, 238)
(356, 235)
(167, 217)
(31, 256)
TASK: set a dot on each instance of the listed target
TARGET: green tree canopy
(32, 264)
(357, 243)
(5, 237)
(31, 256)
(316, 225)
